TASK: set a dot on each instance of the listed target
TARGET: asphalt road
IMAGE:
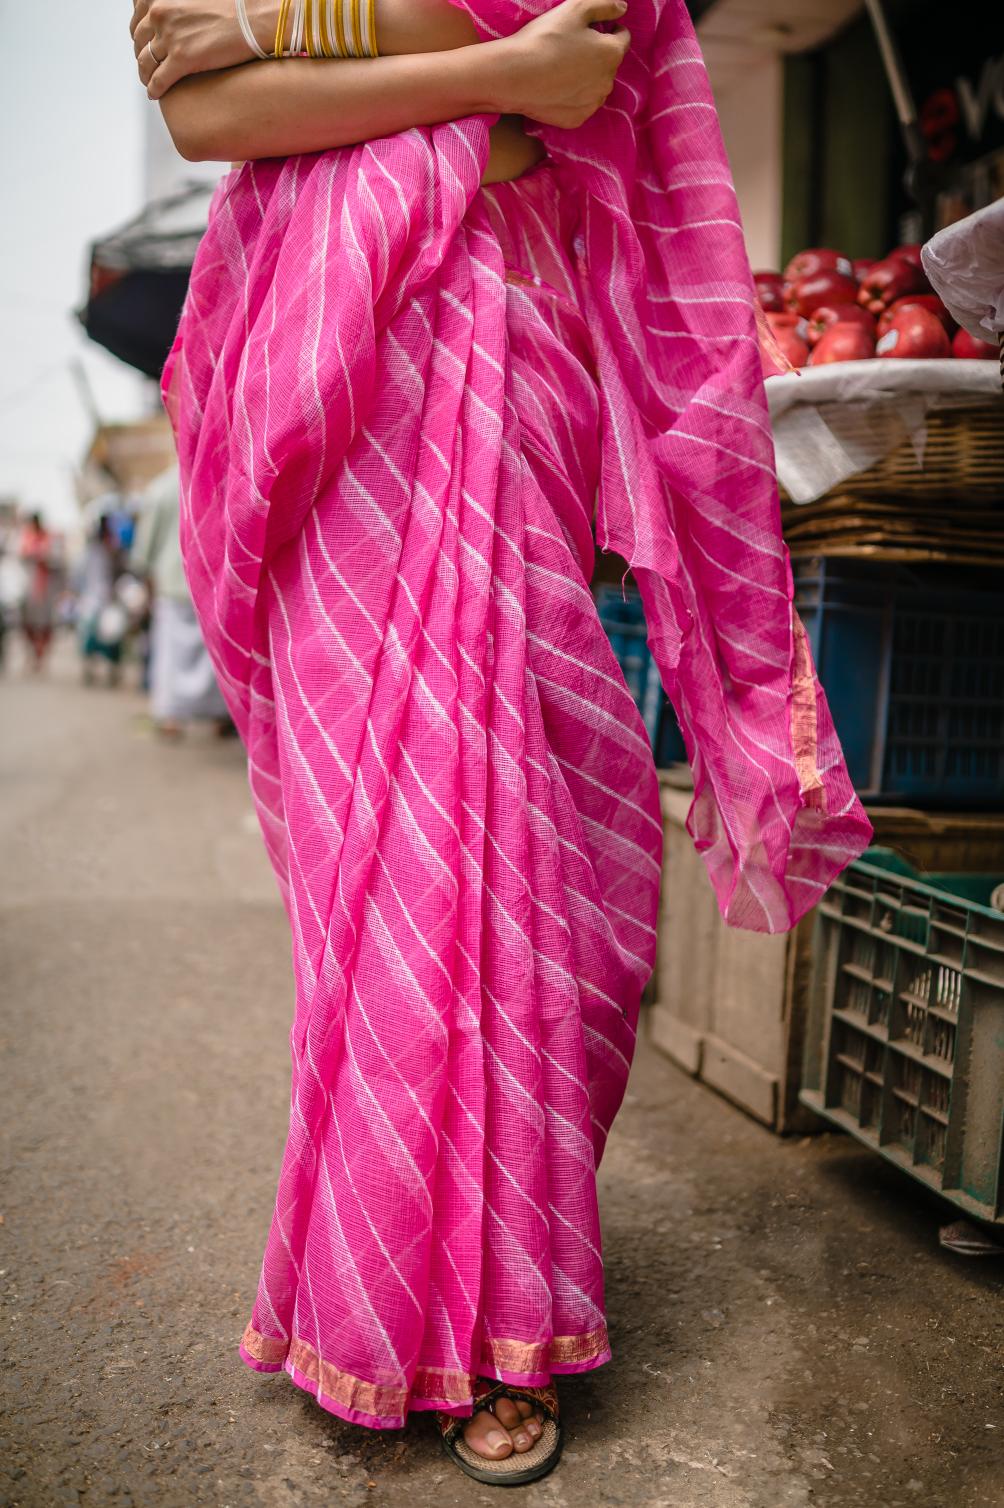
(786, 1329)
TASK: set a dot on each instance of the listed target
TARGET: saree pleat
(454, 784)
(403, 406)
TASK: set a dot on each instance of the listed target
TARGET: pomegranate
(843, 342)
(929, 301)
(915, 334)
(769, 290)
(887, 281)
(817, 259)
(910, 252)
(791, 332)
(968, 348)
(833, 314)
(829, 287)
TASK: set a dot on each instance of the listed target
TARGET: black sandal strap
(544, 1400)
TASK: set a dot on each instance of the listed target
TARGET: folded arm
(557, 70)
(279, 109)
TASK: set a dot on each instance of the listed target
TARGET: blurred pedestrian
(11, 585)
(38, 552)
(101, 621)
(183, 686)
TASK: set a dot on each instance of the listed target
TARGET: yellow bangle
(330, 28)
(280, 30)
(327, 41)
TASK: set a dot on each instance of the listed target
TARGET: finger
(139, 11)
(146, 70)
(622, 37)
(167, 75)
(142, 37)
(602, 10)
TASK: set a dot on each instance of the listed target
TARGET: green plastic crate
(905, 1039)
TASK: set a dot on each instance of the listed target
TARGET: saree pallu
(398, 400)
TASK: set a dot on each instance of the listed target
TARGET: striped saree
(404, 406)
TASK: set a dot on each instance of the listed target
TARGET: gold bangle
(327, 48)
(280, 30)
(339, 38)
(341, 28)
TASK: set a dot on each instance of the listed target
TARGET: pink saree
(398, 399)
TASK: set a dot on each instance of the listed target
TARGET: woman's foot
(514, 1436)
(513, 1427)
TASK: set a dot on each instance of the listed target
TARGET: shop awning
(139, 278)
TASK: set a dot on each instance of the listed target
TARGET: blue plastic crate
(913, 665)
(623, 618)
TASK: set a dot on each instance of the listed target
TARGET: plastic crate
(913, 665)
(905, 1031)
(623, 618)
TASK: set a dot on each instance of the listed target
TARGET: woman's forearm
(280, 109)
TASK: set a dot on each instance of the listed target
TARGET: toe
(508, 1413)
(486, 1438)
(531, 1422)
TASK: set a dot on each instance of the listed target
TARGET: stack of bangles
(317, 29)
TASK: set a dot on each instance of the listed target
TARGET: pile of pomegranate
(825, 308)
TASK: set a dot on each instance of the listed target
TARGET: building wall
(750, 109)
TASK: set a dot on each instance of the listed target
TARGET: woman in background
(183, 685)
(37, 551)
(466, 302)
(101, 621)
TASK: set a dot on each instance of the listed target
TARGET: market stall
(876, 1013)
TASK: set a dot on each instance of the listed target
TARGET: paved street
(786, 1329)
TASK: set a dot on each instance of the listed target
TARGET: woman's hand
(174, 38)
(558, 70)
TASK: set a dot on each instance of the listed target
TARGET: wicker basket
(963, 460)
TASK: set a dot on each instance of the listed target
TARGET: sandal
(521, 1467)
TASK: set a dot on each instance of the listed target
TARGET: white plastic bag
(965, 263)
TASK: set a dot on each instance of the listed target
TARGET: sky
(72, 118)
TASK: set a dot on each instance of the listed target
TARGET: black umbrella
(139, 277)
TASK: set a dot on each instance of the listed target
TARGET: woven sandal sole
(515, 1470)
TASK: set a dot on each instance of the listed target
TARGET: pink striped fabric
(396, 397)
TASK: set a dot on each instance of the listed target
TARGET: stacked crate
(910, 652)
(905, 1046)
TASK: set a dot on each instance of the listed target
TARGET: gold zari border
(431, 1384)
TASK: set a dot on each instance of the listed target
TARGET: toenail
(533, 1429)
(495, 1439)
(521, 1439)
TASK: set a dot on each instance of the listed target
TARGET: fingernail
(495, 1439)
